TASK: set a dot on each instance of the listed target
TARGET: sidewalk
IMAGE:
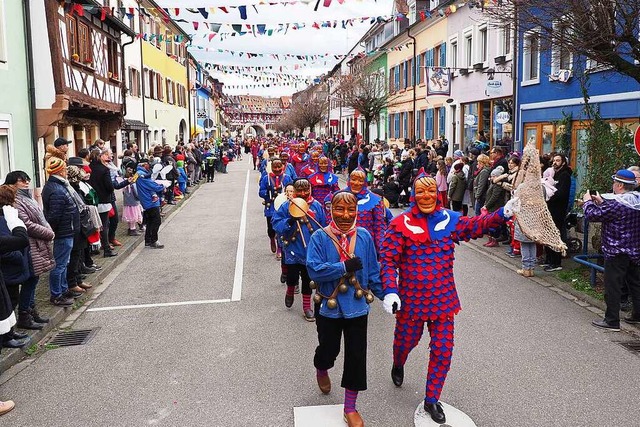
(57, 315)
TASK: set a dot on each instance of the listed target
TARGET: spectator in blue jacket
(61, 212)
(150, 195)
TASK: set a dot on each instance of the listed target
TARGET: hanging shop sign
(503, 117)
(469, 120)
(494, 88)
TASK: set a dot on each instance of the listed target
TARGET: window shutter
(418, 125)
(442, 113)
(418, 71)
(443, 55)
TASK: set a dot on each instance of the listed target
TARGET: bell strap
(336, 239)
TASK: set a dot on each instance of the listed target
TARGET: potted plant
(75, 57)
(110, 74)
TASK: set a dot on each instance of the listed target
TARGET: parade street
(198, 335)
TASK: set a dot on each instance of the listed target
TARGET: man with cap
(59, 149)
(619, 214)
(62, 213)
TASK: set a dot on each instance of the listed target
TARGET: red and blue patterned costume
(299, 161)
(420, 247)
(323, 185)
(371, 215)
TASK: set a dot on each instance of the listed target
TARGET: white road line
(162, 304)
(236, 294)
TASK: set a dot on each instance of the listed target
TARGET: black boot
(397, 375)
(25, 321)
(17, 335)
(36, 316)
(436, 412)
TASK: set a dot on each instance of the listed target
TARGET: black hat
(75, 161)
(60, 141)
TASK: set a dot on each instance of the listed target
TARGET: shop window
(470, 120)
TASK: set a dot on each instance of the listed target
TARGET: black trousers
(270, 231)
(152, 220)
(552, 257)
(113, 223)
(211, 173)
(298, 270)
(330, 331)
(620, 271)
(104, 234)
(74, 272)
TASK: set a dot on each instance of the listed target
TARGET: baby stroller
(574, 245)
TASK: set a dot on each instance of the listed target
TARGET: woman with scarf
(40, 255)
(416, 268)
(343, 263)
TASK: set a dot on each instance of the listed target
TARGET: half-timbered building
(87, 101)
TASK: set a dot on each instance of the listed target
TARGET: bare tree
(365, 90)
(604, 31)
(308, 111)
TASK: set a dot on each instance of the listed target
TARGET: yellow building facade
(411, 115)
(165, 84)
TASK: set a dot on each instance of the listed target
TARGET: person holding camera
(619, 214)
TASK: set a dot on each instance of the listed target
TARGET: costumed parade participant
(299, 157)
(272, 184)
(271, 152)
(323, 182)
(312, 165)
(343, 263)
(371, 209)
(295, 221)
(288, 167)
(419, 245)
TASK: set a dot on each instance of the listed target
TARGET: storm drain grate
(68, 338)
(632, 346)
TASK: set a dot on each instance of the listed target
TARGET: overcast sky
(304, 41)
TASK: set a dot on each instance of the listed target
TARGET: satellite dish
(208, 124)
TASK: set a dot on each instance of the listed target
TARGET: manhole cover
(68, 338)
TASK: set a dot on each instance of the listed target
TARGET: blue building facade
(549, 90)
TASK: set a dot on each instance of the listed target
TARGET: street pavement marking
(236, 294)
(455, 417)
(318, 416)
(161, 304)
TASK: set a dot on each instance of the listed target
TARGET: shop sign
(636, 139)
(503, 117)
(494, 88)
(469, 120)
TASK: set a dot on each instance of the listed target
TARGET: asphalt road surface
(524, 355)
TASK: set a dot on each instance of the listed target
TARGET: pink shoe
(492, 243)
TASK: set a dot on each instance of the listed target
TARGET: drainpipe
(195, 97)
(143, 88)
(514, 76)
(413, 81)
(26, 12)
(123, 84)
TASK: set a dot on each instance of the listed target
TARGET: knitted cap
(55, 165)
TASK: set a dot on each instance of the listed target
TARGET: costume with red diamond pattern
(420, 247)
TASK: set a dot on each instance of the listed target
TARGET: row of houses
(82, 72)
(483, 77)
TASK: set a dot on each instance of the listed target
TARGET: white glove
(11, 216)
(388, 302)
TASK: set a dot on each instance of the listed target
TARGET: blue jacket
(268, 192)
(325, 268)
(294, 251)
(60, 209)
(147, 189)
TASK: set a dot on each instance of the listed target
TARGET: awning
(134, 125)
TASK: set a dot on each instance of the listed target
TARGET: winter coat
(495, 197)
(17, 241)
(40, 234)
(559, 202)
(101, 181)
(481, 184)
(457, 187)
(406, 172)
(60, 209)
(149, 191)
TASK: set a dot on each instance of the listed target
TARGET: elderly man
(619, 214)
